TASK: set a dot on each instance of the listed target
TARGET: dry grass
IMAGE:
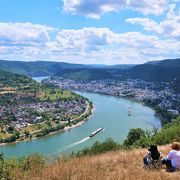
(119, 165)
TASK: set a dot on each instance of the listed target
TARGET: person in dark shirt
(152, 158)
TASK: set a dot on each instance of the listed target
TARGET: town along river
(110, 113)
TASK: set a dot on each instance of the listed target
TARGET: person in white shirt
(172, 161)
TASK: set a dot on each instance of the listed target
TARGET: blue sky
(90, 31)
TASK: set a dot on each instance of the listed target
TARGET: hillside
(158, 71)
(124, 165)
(121, 66)
(47, 68)
(161, 71)
(116, 66)
(14, 80)
(166, 70)
(36, 68)
(85, 74)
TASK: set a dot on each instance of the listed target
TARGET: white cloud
(24, 33)
(96, 8)
(96, 39)
(169, 27)
(86, 39)
(94, 45)
(148, 24)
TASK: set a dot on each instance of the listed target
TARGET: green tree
(26, 133)
(99, 148)
(133, 136)
(17, 134)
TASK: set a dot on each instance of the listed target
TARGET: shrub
(168, 134)
(99, 147)
(133, 136)
(32, 162)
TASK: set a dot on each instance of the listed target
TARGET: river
(39, 79)
(110, 113)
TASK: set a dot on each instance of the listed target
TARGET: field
(32, 129)
(4, 135)
(53, 95)
(117, 165)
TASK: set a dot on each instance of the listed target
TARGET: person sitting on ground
(152, 159)
(172, 161)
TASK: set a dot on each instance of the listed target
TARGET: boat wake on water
(70, 146)
(81, 141)
(76, 143)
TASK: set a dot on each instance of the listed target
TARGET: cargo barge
(95, 132)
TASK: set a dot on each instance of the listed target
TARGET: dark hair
(154, 152)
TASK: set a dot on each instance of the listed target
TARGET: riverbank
(154, 95)
(161, 113)
(78, 121)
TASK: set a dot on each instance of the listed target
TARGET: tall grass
(120, 165)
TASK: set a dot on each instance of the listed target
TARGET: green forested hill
(85, 74)
(160, 71)
(166, 70)
(14, 80)
(36, 68)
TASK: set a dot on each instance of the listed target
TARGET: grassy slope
(112, 165)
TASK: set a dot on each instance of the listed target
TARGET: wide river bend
(110, 113)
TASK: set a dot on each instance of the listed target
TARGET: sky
(90, 31)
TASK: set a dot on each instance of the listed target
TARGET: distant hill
(85, 74)
(165, 70)
(37, 68)
(116, 66)
(47, 68)
(121, 66)
(160, 71)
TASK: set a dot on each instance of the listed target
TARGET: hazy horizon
(82, 63)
